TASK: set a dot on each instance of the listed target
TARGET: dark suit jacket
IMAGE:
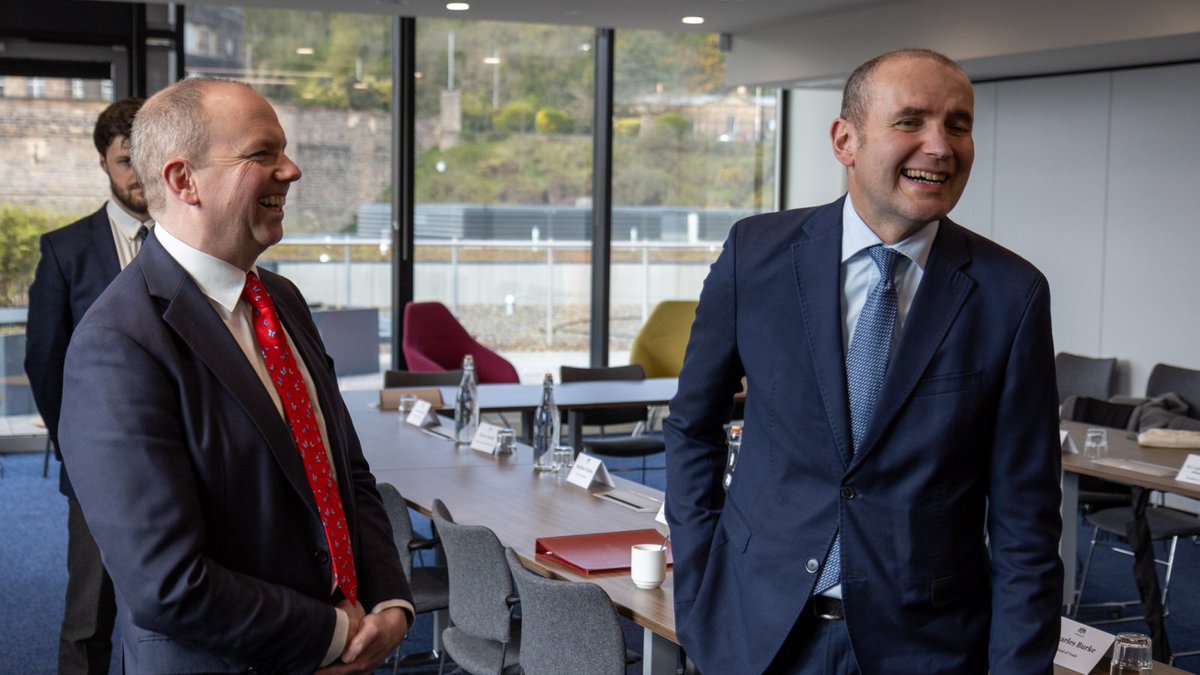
(193, 488)
(78, 262)
(963, 442)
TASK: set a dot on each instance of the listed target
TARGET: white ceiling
(721, 16)
(816, 43)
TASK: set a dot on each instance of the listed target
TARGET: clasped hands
(370, 639)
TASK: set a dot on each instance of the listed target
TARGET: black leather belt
(827, 608)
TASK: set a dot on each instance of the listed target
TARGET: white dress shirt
(124, 230)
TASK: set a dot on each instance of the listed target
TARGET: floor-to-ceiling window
(690, 156)
(503, 185)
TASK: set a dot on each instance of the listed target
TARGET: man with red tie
(212, 454)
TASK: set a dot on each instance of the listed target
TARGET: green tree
(552, 121)
(20, 228)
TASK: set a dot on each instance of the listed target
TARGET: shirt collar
(126, 224)
(217, 279)
(857, 237)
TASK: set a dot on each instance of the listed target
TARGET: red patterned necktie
(298, 410)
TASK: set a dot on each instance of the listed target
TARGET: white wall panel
(1152, 261)
(1051, 147)
(974, 209)
(814, 175)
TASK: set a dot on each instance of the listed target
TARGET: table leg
(659, 655)
(1070, 537)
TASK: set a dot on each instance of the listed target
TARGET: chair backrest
(435, 341)
(1094, 411)
(1084, 376)
(406, 378)
(602, 416)
(480, 583)
(566, 627)
(660, 345)
(402, 532)
(1166, 379)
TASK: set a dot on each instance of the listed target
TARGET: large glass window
(690, 157)
(503, 183)
(328, 76)
(49, 178)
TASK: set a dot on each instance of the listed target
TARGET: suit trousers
(85, 643)
(815, 647)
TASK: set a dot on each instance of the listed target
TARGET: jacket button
(812, 565)
(848, 493)
(321, 556)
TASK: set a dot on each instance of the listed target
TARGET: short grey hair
(855, 97)
(171, 124)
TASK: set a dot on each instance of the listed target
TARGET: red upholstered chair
(435, 341)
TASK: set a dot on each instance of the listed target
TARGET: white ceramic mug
(648, 565)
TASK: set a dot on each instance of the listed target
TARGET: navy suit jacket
(963, 442)
(193, 488)
(78, 262)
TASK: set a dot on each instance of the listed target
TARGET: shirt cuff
(340, 632)
(402, 604)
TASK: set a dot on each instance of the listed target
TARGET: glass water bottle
(466, 404)
(546, 428)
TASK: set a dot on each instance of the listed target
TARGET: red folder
(596, 553)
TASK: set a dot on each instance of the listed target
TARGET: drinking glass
(1096, 444)
(407, 401)
(506, 441)
(1131, 655)
(564, 459)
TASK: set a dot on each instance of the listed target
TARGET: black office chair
(639, 443)
(1096, 494)
(393, 379)
(1166, 379)
(1084, 376)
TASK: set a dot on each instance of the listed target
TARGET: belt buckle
(833, 609)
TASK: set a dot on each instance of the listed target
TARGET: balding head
(172, 124)
(856, 95)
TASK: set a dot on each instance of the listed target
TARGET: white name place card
(422, 414)
(1068, 446)
(1190, 473)
(588, 470)
(1080, 647)
(662, 514)
(485, 438)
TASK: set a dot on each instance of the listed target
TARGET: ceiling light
(458, 6)
(305, 51)
(693, 20)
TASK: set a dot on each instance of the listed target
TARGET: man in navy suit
(210, 449)
(78, 262)
(919, 536)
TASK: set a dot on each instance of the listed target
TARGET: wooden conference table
(519, 505)
(1122, 445)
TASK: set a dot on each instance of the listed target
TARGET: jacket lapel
(102, 244)
(944, 288)
(816, 259)
(194, 320)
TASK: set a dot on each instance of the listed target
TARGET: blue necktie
(866, 364)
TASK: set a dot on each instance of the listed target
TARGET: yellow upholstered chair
(660, 344)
